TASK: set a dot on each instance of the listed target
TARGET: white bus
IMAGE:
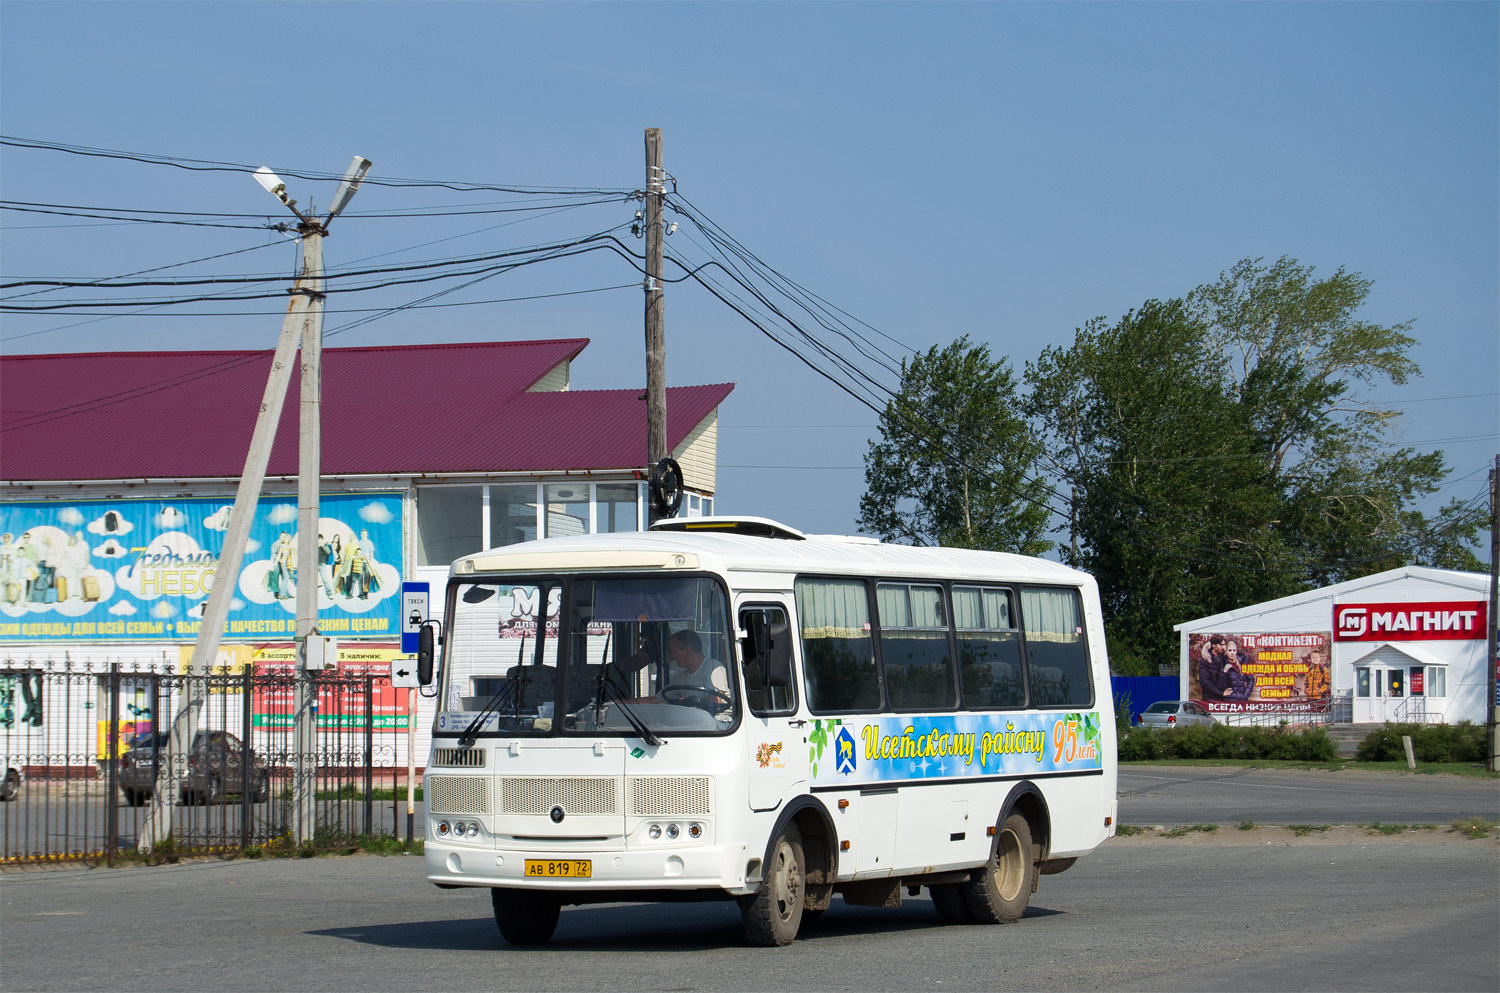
(729, 709)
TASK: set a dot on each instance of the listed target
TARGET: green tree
(1296, 354)
(954, 464)
(1219, 453)
(1165, 479)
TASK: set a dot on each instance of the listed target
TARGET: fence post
(369, 752)
(247, 692)
(112, 767)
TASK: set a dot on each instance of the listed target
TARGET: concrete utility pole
(309, 476)
(1492, 661)
(656, 334)
(304, 323)
(211, 628)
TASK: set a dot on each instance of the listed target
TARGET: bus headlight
(672, 831)
(695, 831)
(473, 831)
(442, 829)
(654, 831)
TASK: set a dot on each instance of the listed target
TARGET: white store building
(1406, 645)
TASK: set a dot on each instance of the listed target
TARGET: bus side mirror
(426, 650)
(768, 647)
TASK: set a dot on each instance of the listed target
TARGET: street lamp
(304, 319)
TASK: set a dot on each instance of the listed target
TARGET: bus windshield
(627, 655)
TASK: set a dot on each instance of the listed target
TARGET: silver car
(1175, 714)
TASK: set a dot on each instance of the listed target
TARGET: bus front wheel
(1002, 889)
(774, 913)
(525, 917)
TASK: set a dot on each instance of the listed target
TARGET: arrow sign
(403, 674)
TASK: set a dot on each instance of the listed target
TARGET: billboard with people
(141, 570)
(1239, 673)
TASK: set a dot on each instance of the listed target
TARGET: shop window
(20, 701)
(1437, 681)
(1362, 683)
(448, 523)
(618, 506)
(512, 514)
(695, 505)
(1395, 683)
(567, 509)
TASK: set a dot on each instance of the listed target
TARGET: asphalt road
(1174, 795)
(1226, 910)
(1229, 913)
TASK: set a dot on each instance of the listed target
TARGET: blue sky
(1006, 171)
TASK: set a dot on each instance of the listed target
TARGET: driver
(690, 667)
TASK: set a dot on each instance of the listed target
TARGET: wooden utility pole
(656, 332)
(1492, 661)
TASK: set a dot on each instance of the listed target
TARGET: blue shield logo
(843, 753)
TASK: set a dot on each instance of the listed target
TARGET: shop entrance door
(1371, 693)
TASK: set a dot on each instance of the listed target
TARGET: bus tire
(1000, 891)
(774, 913)
(525, 917)
(951, 904)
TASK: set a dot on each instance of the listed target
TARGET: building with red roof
(118, 469)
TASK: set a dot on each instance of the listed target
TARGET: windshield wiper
(640, 728)
(471, 733)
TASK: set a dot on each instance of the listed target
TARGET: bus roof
(760, 545)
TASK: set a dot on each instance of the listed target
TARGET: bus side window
(989, 648)
(838, 654)
(1056, 657)
(914, 647)
(762, 699)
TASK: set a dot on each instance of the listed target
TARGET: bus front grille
(462, 758)
(671, 796)
(574, 794)
(458, 795)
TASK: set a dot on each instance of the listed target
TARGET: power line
(358, 310)
(209, 165)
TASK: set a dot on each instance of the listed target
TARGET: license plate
(560, 868)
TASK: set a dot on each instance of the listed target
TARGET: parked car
(1175, 714)
(10, 785)
(215, 768)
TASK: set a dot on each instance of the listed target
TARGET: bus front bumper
(687, 868)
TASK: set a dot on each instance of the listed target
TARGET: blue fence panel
(1143, 691)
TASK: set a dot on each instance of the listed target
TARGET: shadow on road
(654, 927)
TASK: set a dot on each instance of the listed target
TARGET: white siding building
(1403, 645)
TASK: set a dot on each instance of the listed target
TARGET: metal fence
(102, 776)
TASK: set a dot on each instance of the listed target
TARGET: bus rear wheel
(1002, 889)
(774, 913)
(525, 917)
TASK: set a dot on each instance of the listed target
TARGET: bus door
(775, 736)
